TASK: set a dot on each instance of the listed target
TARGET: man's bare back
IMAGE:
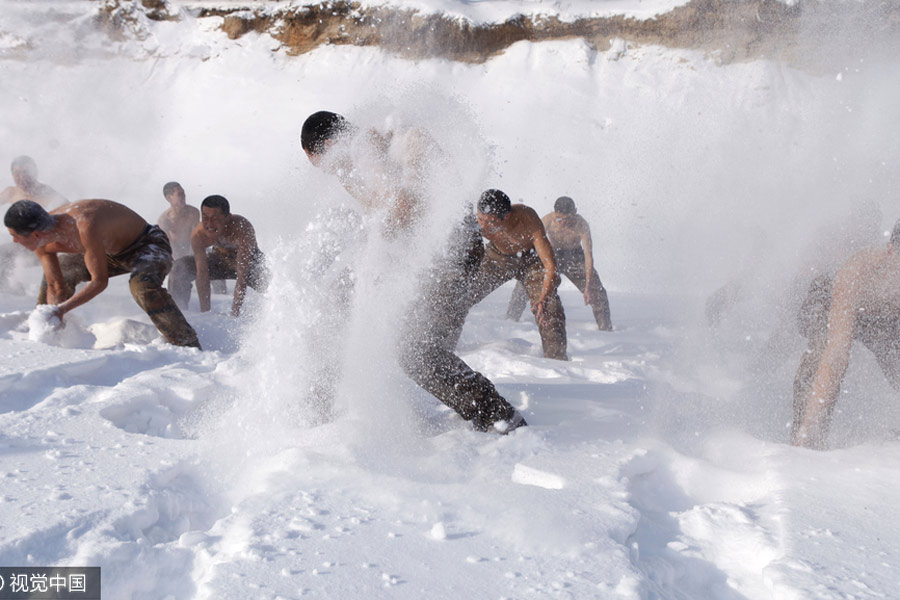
(100, 223)
(874, 275)
(384, 172)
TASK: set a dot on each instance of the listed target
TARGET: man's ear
(41, 237)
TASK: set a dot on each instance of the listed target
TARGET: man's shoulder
(524, 209)
(527, 217)
(239, 222)
(854, 272)
(199, 231)
(11, 194)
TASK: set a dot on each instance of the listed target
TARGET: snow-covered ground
(655, 464)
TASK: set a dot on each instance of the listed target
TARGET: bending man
(99, 239)
(861, 303)
(570, 236)
(232, 254)
(518, 248)
(396, 162)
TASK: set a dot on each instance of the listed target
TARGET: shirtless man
(518, 248)
(178, 221)
(27, 187)
(861, 303)
(91, 241)
(436, 316)
(570, 236)
(232, 254)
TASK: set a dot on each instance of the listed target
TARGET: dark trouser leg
(259, 275)
(600, 303)
(426, 353)
(813, 325)
(148, 292)
(517, 302)
(323, 346)
(184, 271)
(493, 271)
(882, 337)
(149, 262)
(223, 266)
(449, 379)
(571, 264)
(74, 272)
(553, 329)
(806, 373)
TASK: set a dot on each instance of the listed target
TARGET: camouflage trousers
(431, 329)
(497, 268)
(147, 260)
(222, 265)
(571, 264)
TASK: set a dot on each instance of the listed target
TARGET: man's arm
(53, 274)
(198, 247)
(245, 240)
(403, 213)
(6, 196)
(165, 223)
(545, 252)
(49, 198)
(587, 246)
(94, 260)
(813, 427)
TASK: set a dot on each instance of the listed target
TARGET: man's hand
(52, 314)
(44, 323)
(587, 295)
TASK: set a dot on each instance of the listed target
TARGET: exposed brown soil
(734, 30)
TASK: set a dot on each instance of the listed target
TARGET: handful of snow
(45, 327)
(44, 324)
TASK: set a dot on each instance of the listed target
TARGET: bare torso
(113, 226)
(564, 231)
(236, 234)
(386, 172)
(519, 229)
(232, 237)
(43, 194)
(178, 226)
(866, 286)
(872, 277)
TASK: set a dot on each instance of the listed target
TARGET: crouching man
(518, 248)
(224, 246)
(91, 241)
